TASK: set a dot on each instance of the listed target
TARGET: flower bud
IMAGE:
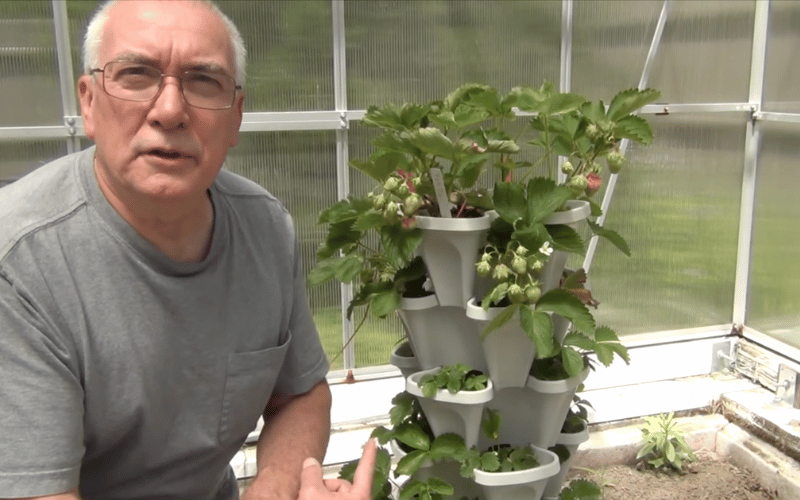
(592, 132)
(521, 250)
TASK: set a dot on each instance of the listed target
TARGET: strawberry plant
(454, 378)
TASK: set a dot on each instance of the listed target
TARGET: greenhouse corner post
(66, 77)
(752, 146)
(612, 181)
(566, 60)
(342, 157)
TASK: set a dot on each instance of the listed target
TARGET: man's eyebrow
(134, 57)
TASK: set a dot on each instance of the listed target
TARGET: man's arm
(295, 428)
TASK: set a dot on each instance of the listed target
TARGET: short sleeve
(306, 363)
(41, 400)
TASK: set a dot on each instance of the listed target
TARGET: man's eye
(134, 71)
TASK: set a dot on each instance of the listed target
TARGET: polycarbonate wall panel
(704, 55)
(399, 51)
(289, 53)
(299, 168)
(677, 204)
(782, 78)
(772, 305)
(28, 67)
(78, 14)
(18, 158)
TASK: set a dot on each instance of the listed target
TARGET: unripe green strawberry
(379, 201)
(519, 264)
(615, 161)
(501, 272)
(412, 203)
(483, 268)
(402, 190)
(390, 212)
(516, 294)
(577, 184)
(592, 132)
(532, 293)
(567, 167)
(391, 184)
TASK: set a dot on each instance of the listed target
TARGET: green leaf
(561, 103)
(324, 271)
(582, 489)
(630, 100)
(399, 244)
(410, 463)
(567, 305)
(612, 236)
(594, 111)
(349, 268)
(447, 446)
(489, 462)
(505, 147)
(573, 361)
(440, 486)
(490, 424)
(539, 328)
(545, 197)
(413, 436)
(501, 319)
(634, 128)
(509, 201)
(385, 303)
(432, 141)
(579, 340)
(462, 94)
(565, 238)
(608, 339)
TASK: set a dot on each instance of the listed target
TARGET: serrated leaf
(565, 304)
(509, 201)
(410, 463)
(634, 128)
(544, 197)
(447, 446)
(413, 436)
(489, 462)
(538, 326)
(573, 361)
(628, 101)
(595, 111)
(432, 141)
(579, 340)
(440, 486)
(612, 236)
(565, 239)
(384, 303)
(501, 319)
(608, 339)
(561, 103)
(583, 489)
(324, 271)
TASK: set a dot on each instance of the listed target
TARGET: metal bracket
(787, 386)
(722, 356)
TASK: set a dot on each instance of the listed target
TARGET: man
(151, 305)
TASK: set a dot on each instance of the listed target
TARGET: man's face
(162, 150)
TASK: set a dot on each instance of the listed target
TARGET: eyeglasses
(132, 81)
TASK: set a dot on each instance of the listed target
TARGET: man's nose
(170, 108)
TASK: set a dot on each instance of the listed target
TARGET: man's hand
(314, 487)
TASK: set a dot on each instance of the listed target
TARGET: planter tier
(535, 413)
(526, 484)
(571, 441)
(450, 248)
(509, 353)
(447, 413)
(403, 358)
(441, 336)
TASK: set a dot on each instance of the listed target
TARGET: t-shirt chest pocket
(249, 382)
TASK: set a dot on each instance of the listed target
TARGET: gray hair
(94, 35)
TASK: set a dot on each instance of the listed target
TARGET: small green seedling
(454, 378)
(581, 489)
(663, 444)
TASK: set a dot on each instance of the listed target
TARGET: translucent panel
(704, 55)
(772, 305)
(78, 14)
(417, 51)
(18, 158)
(677, 204)
(299, 168)
(782, 78)
(28, 67)
(289, 53)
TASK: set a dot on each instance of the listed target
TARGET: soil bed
(710, 478)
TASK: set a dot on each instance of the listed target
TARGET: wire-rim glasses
(134, 81)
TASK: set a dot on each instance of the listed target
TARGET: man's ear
(86, 91)
(239, 107)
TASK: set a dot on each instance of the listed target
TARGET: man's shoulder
(42, 197)
(236, 187)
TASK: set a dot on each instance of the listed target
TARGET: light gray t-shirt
(133, 375)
